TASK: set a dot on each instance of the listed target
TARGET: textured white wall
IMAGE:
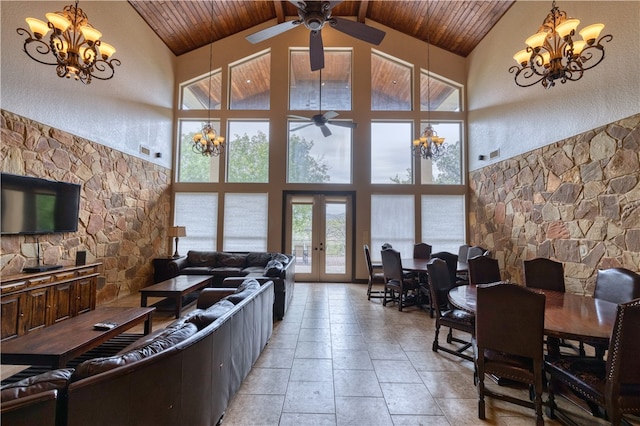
(134, 108)
(516, 120)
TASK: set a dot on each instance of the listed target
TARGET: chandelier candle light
(75, 45)
(428, 143)
(552, 53)
(207, 142)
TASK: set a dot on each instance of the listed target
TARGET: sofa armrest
(175, 266)
(209, 296)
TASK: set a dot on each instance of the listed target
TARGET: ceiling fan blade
(271, 31)
(325, 130)
(300, 127)
(299, 117)
(316, 50)
(359, 30)
(330, 114)
(349, 124)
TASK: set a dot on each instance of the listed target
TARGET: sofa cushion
(160, 343)
(247, 287)
(162, 333)
(273, 269)
(202, 258)
(51, 380)
(258, 259)
(197, 270)
(204, 317)
(257, 271)
(234, 260)
(227, 271)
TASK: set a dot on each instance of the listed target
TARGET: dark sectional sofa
(277, 266)
(185, 374)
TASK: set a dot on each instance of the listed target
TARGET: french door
(319, 234)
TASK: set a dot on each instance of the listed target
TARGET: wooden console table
(41, 299)
(174, 289)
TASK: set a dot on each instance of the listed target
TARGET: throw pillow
(209, 315)
(55, 379)
(273, 269)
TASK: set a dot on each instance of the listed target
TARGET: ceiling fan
(321, 120)
(314, 15)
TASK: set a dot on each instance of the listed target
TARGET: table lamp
(177, 232)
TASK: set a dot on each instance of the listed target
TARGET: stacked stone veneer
(124, 206)
(576, 201)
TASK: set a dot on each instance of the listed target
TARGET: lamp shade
(177, 231)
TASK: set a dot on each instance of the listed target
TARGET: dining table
(566, 315)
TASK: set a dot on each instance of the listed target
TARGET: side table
(160, 272)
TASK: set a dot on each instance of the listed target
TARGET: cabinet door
(36, 308)
(62, 302)
(12, 321)
(85, 295)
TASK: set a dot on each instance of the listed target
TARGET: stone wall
(576, 201)
(124, 208)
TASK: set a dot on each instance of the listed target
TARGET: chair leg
(369, 289)
(538, 406)
(481, 412)
(435, 345)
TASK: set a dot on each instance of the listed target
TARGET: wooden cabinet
(32, 301)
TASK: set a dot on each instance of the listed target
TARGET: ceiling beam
(279, 11)
(362, 10)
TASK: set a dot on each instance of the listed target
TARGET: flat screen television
(38, 206)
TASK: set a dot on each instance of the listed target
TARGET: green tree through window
(304, 167)
(248, 158)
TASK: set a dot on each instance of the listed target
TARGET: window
(438, 93)
(443, 222)
(196, 94)
(305, 85)
(248, 151)
(198, 213)
(314, 158)
(250, 83)
(445, 169)
(193, 166)
(392, 221)
(390, 84)
(245, 222)
(391, 152)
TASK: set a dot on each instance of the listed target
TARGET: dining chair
(612, 384)
(475, 251)
(374, 276)
(452, 264)
(617, 285)
(446, 316)
(421, 251)
(463, 276)
(543, 273)
(509, 342)
(395, 282)
(483, 270)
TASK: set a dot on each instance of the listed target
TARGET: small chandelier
(207, 142)
(75, 44)
(428, 145)
(552, 54)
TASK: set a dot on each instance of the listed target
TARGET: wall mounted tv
(38, 206)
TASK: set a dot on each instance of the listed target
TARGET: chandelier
(208, 142)
(428, 145)
(75, 45)
(552, 54)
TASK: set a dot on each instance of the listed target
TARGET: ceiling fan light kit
(314, 15)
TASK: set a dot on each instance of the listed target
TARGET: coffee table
(175, 288)
(59, 343)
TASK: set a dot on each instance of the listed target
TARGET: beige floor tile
(266, 381)
(254, 410)
(409, 398)
(356, 383)
(359, 411)
(310, 397)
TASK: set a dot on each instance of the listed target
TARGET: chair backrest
(543, 273)
(439, 284)
(463, 253)
(617, 285)
(421, 251)
(510, 319)
(386, 246)
(452, 263)
(391, 265)
(623, 368)
(483, 270)
(475, 251)
(367, 256)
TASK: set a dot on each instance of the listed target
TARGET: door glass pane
(196, 94)
(305, 85)
(245, 222)
(301, 224)
(390, 84)
(391, 155)
(443, 235)
(446, 168)
(248, 151)
(250, 83)
(335, 238)
(314, 158)
(198, 213)
(193, 166)
(392, 221)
